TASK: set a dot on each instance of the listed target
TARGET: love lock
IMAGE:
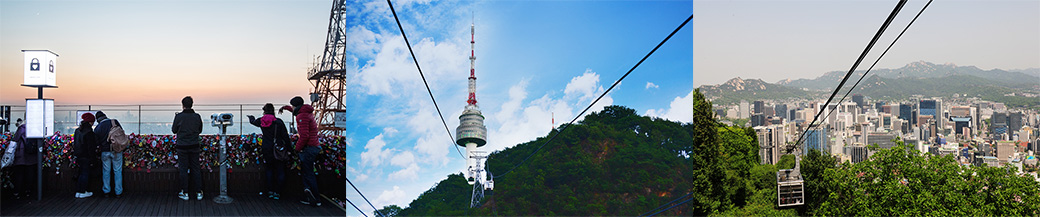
(34, 65)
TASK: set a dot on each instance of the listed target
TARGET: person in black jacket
(111, 162)
(274, 136)
(188, 125)
(85, 145)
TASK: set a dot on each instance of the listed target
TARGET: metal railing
(153, 118)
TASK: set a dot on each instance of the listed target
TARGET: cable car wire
(661, 206)
(355, 207)
(879, 58)
(862, 55)
(424, 79)
(600, 96)
(670, 207)
(363, 197)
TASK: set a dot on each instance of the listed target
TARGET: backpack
(118, 137)
(282, 151)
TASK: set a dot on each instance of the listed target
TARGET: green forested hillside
(617, 163)
(613, 162)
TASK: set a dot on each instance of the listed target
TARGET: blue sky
(535, 59)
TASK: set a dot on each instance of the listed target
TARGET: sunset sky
(134, 52)
(537, 61)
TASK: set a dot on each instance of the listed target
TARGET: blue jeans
(112, 162)
(307, 168)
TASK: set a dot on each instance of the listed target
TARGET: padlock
(34, 65)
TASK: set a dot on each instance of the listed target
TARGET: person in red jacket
(307, 146)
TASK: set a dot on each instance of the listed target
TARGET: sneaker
(84, 195)
(310, 195)
(305, 202)
(182, 195)
(199, 196)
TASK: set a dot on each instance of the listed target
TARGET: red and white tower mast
(472, 133)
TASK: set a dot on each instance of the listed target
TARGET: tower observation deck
(472, 133)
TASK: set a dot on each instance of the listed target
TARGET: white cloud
(403, 159)
(361, 177)
(520, 122)
(681, 109)
(408, 173)
(651, 85)
(395, 196)
(433, 143)
(374, 152)
(584, 85)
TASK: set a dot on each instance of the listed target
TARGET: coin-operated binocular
(222, 119)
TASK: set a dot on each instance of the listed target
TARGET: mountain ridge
(919, 69)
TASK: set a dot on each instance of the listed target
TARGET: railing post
(139, 120)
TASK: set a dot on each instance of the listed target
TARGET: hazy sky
(132, 52)
(774, 40)
(535, 59)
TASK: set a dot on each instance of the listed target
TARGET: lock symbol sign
(34, 65)
(51, 68)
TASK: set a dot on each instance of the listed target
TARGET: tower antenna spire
(472, 133)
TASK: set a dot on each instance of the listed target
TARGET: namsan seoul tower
(471, 132)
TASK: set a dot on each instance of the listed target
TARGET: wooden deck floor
(162, 204)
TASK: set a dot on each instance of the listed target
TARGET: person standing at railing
(85, 145)
(275, 138)
(24, 166)
(188, 125)
(111, 162)
(307, 146)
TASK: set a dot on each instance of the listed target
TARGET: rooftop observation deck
(162, 204)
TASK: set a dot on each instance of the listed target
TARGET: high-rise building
(960, 124)
(816, 139)
(781, 111)
(770, 141)
(759, 105)
(960, 111)
(878, 104)
(1014, 121)
(927, 107)
(883, 140)
(744, 109)
(856, 152)
(758, 120)
(906, 113)
(858, 99)
(1004, 150)
(999, 123)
